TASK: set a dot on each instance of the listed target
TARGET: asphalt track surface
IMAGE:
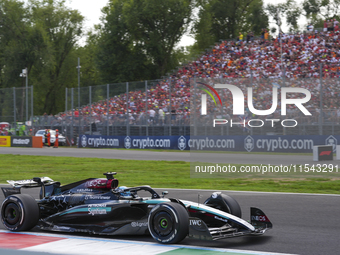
(302, 223)
(232, 158)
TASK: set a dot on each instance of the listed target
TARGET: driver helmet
(121, 190)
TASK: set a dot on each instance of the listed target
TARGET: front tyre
(168, 223)
(19, 212)
(224, 203)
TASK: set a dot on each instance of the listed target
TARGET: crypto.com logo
(238, 100)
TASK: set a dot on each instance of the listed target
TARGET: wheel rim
(163, 223)
(12, 214)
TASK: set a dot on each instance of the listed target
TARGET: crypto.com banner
(262, 143)
(134, 142)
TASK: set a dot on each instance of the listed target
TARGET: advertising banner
(322, 152)
(5, 141)
(256, 143)
(21, 141)
(134, 142)
(262, 143)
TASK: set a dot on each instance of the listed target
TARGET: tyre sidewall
(180, 221)
(233, 205)
(28, 211)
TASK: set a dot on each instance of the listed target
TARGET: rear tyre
(19, 212)
(168, 223)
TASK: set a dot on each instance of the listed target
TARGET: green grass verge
(158, 174)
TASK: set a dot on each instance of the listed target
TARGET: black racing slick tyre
(233, 206)
(224, 203)
(168, 223)
(19, 212)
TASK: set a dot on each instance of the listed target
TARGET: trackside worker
(48, 138)
(45, 140)
(56, 143)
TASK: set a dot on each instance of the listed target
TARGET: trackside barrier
(21, 141)
(322, 152)
(5, 141)
(255, 143)
(134, 142)
(37, 142)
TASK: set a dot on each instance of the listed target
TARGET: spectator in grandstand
(330, 25)
(325, 26)
(266, 35)
(310, 28)
(257, 60)
(161, 116)
(152, 114)
(240, 37)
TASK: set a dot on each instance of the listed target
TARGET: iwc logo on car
(249, 143)
(127, 142)
(182, 143)
(84, 141)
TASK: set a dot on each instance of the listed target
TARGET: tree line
(136, 39)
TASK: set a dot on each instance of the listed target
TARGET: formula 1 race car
(100, 206)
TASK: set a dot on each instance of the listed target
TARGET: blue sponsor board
(134, 142)
(263, 143)
(256, 143)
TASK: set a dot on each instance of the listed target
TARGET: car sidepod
(105, 218)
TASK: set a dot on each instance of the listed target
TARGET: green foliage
(135, 41)
(224, 19)
(42, 37)
(138, 38)
(288, 10)
(324, 9)
(89, 73)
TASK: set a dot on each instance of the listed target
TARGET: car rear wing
(11, 191)
(29, 183)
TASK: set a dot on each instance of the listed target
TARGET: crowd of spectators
(293, 60)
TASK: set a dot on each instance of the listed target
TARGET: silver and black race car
(100, 206)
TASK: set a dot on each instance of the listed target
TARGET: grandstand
(308, 60)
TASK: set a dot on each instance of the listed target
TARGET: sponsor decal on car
(135, 224)
(96, 209)
(195, 222)
(84, 190)
(97, 198)
(221, 219)
(262, 218)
